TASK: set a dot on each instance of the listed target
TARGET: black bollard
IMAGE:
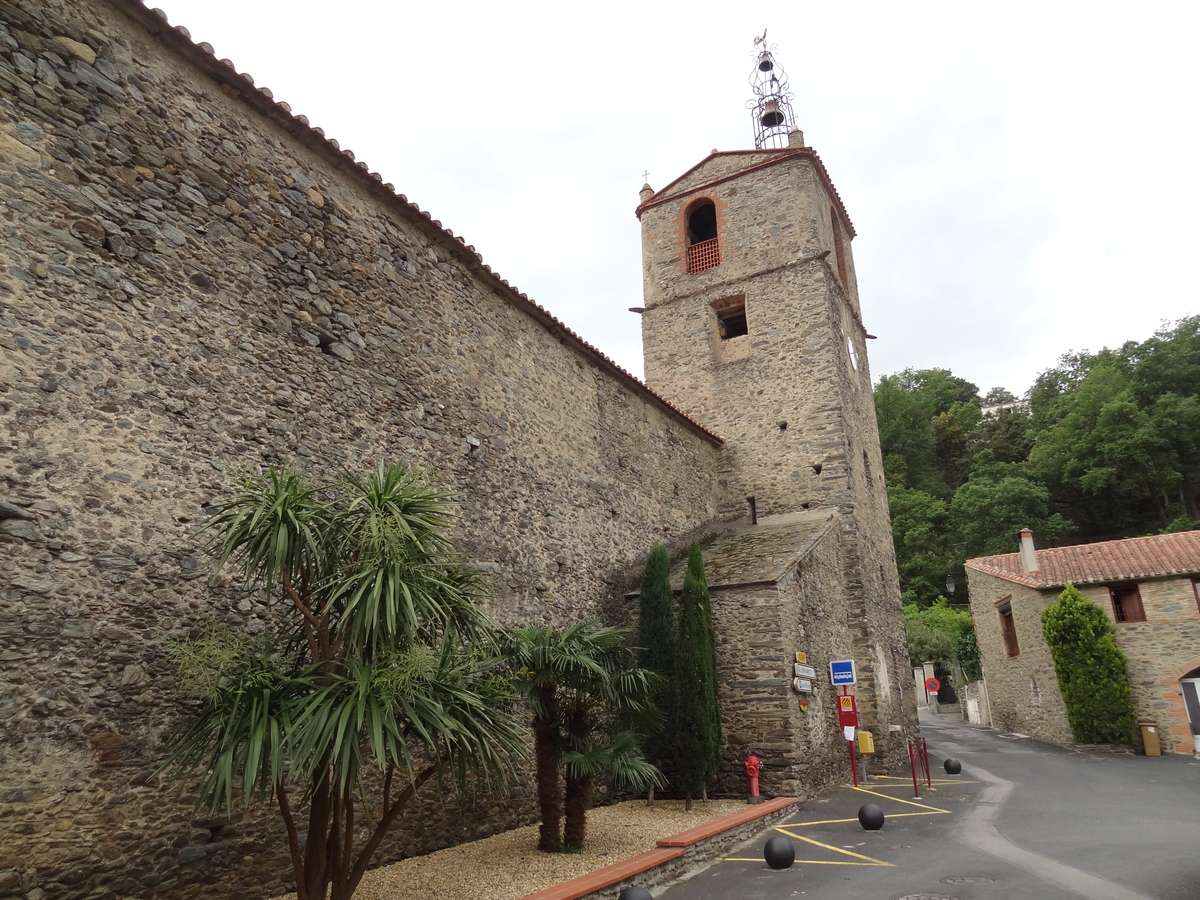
(870, 816)
(779, 853)
(634, 893)
(952, 766)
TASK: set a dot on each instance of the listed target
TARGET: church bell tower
(752, 326)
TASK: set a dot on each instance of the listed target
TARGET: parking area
(1023, 820)
(913, 855)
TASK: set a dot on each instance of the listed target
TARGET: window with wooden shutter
(1127, 603)
(1008, 628)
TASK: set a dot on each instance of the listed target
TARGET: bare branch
(385, 823)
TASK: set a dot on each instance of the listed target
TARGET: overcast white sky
(1024, 178)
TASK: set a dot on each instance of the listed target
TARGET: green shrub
(656, 645)
(694, 719)
(1092, 674)
(968, 656)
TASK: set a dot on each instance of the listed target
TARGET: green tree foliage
(580, 682)
(694, 739)
(380, 659)
(1092, 674)
(656, 644)
(1106, 445)
(696, 583)
(968, 656)
(906, 405)
(935, 631)
(923, 552)
(998, 499)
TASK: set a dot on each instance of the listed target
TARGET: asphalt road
(1024, 820)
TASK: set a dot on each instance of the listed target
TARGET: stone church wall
(190, 286)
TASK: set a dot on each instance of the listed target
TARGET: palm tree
(619, 759)
(380, 659)
(578, 681)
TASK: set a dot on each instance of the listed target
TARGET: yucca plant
(380, 659)
(579, 682)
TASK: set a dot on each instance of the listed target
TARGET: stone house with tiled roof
(1148, 586)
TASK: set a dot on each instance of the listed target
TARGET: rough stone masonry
(194, 282)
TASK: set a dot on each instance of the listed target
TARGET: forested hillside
(1103, 445)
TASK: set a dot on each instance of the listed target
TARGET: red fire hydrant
(753, 766)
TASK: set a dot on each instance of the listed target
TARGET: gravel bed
(507, 866)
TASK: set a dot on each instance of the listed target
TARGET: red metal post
(912, 765)
(853, 763)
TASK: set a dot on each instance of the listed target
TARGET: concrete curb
(675, 855)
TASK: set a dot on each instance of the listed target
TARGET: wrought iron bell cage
(771, 112)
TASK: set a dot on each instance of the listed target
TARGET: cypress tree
(656, 639)
(1091, 669)
(696, 586)
(690, 719)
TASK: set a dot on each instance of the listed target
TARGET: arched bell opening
(701, 222)
(700, 231)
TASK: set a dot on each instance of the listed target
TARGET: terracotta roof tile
(155, 21)
(1153, 556)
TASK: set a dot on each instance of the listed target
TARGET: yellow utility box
(866, 742)
(1151, 745)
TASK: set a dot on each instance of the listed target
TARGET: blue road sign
(841, 671)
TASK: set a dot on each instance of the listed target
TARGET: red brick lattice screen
(704, 255)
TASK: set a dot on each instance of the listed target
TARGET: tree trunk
(687, 802)
(704, 792)
(316, 851)
(650, 796)
(547, 752)
(579, 800)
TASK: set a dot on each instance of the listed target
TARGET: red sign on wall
(932, 685)
(847, 711)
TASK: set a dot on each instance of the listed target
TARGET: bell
(772, 117)
(765, 63)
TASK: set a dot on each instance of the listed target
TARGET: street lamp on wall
(950, 585)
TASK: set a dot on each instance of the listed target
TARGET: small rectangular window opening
(1127, 603)
(731, 317)
(1008, 628)
(1196, 591)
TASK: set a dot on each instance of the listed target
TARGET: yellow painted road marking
(807, 862)
(932, 812)
(815, 843)
(908, 781)
(817, 822)
(899, 800)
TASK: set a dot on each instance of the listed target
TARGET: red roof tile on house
(1129, 559)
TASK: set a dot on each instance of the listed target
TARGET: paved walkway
(1024, 820)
